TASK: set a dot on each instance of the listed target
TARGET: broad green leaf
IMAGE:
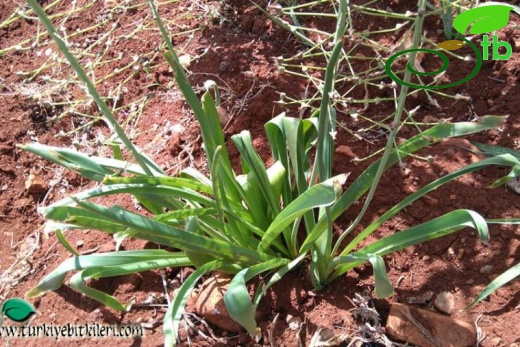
(433, 229)
(505, 160)
(365, 180)
(174, 237)
(55, 279)
(383, 286)
(135, 189)
(69, 159)
(254, 163)
(323, 194)
(498, 282)
(18, 310)
(174, 182)
(278, 275)
(483, 19)
(237, 299)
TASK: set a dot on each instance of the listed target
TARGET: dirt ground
(236, 50)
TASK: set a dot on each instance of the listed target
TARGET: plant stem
(394, 126)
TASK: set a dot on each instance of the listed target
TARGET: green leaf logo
(482, 19)
(18, 310)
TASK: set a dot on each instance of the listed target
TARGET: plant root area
(235, 48)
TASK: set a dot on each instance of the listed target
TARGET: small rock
(445, 302)
(34, 184)
(451, 251)
(80, 243)
(346, 151)
(426, 258)
(421, 300)
(409, 324)
(491, 102)
(430, 201)
(223, 115)
(223, 66)
(453, 196)
(496, 341)
(210, 303)
(513, 345)
(294, 323)
(514, 184)
(486, 269)
(470, 281)
(430, 119)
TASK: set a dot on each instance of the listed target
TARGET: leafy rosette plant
(247, 223)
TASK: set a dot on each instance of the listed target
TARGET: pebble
(445, 302)
(34, 184)
(486, 269)
(430, 201)
(496, 341)
(470, 281)
(346, 151)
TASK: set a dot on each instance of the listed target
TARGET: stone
(445, 302)
(496, 341)
(430, 201)
(346, 151)
(210, 303)
(35, 184)
(426, 328)
(486, 269)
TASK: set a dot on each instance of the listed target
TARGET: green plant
(244, 224)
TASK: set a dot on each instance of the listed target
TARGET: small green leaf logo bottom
(18, 310)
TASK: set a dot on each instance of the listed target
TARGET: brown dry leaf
(451, 45)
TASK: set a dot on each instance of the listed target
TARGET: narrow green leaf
(65, 243)
(498, 282)
(173, 316)
(78, 282)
